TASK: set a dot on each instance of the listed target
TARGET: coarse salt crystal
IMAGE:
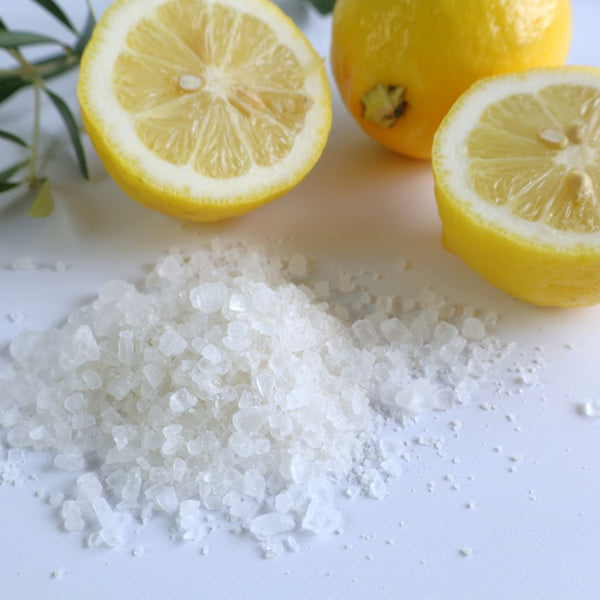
(221, 385)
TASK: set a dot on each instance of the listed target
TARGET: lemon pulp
(516, 165)
(538, 155)
(203, 109)
(211, 87)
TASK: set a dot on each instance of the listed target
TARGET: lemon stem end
(383, 104)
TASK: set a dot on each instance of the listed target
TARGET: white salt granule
(591, 408)
(56, 498)
(292, 544)
(16, 316)
(222, 386)
(24, 263)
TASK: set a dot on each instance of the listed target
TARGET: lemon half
(516, 165)
(203, 109)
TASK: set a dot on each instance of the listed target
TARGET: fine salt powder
(221, 385)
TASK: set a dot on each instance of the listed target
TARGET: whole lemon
(400, 64)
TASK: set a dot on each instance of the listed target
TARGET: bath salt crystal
(24, 263)
(220, 385)
(16, 316)
(56, 498)
(208, 297)
(15, 455)
(71, 512)
(272, 549)
(292, 544)
(171, 343)
(270, 524)
(321, 518)
(182, 400)
(473, 329)
(365, 332)
(89, 487)
(591, 408)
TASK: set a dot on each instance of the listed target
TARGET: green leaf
(9, 86)
(14, 39)
(8, 185)
(43, 203)
(86, 34)
(67, 116)
(47, 69)
(57, 12)
(323, 6)
(11, 137)
(8, 173)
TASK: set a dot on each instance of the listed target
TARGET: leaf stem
(91, 9)
(37, 99)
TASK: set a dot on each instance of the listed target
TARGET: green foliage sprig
(36, 74)
(323, 6)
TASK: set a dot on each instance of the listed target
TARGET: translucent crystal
(208, 297)
(270, 524)
(473, 329)
(171, 343)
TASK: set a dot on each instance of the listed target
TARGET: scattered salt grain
(16, 317)
(56, 498)
(57, 574)
(473, 329)
(24, 263)
(292, 544)
(466, 552)
(591, 408)
(271, 524)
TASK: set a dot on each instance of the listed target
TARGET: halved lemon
(516, 165)
(203, 109)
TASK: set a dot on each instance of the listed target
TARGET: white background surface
(533, 532)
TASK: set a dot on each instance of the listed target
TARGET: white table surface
(534, 532)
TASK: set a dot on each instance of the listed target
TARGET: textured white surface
(509, 511)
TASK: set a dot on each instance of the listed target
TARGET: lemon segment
(516, 165)
(203, 109)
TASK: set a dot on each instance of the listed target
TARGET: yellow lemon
(400, 64)
(516, 165)
(203, 109)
